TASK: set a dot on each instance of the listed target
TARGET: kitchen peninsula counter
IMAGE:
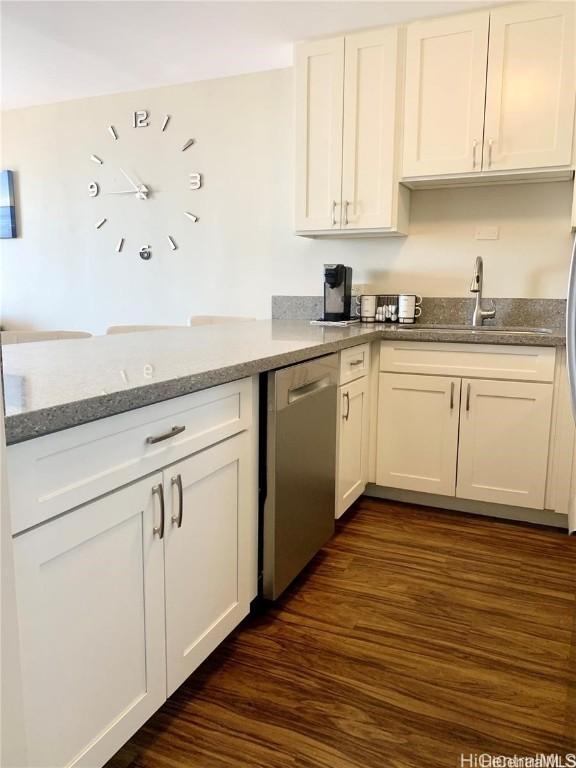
(55, 385)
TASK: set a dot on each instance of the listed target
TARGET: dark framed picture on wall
(7, 205)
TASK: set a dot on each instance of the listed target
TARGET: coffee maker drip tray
(339, 323)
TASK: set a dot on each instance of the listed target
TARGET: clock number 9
(93, 189)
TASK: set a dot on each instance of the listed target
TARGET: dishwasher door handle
(308, 389)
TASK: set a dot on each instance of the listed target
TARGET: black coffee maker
(337, 292)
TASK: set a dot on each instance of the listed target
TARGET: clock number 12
(141, 119)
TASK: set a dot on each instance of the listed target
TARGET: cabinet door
(417, 441)
(530, 87)
(504, 442)
(319, 76)
(207, 593)
(370, 95)
(352, 464)
(445, 89)
(90, 596)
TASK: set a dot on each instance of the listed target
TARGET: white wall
(63, 273)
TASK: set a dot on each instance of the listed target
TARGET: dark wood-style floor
(414, 636)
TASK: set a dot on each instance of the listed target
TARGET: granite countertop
(54, 385)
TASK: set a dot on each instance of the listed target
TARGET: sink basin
(476, 329)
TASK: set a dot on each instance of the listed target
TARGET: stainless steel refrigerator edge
(571, 328)
(298, 511)
(571, 353)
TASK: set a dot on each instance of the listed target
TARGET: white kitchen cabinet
(207, 589)
(353, 426)
(348, 97)
(90, 590)
(369, 191)
(504, 442)
(319, 82)
(490, 94)
(417, 443)
(444, 97)
(117, 603)
(530, 87)
(493, 444)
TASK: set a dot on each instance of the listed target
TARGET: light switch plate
(487, 233)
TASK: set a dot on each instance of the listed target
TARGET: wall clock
(140, 189)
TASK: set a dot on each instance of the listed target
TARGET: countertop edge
(46, 421)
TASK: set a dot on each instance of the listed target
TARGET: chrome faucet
(476, 287)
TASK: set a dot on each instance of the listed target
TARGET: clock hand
(123, 192)
(136, 187)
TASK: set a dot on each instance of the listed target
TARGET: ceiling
(69, 49)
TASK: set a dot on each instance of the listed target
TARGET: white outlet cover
(487, 233)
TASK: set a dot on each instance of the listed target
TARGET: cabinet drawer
(52, 474)
(488, 361)
(354, 363)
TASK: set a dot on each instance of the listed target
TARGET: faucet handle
(488, 314)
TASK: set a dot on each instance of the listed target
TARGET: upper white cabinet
(490, 92)
(319, 74)
(445, 89)
(530, 87)
(348, 97)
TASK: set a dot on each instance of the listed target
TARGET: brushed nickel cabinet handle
(347, 414)
(334, 204)
(158, 490)
(452, 396)
(490, 145)
(474, 148)
(166, 436)
(356, 362)
(346, 204)
(177, 482)
(468, 388)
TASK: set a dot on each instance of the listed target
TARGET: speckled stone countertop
(54, 385)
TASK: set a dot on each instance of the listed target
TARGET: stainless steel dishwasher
(298, 475)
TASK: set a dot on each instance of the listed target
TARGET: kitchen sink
(476, 329)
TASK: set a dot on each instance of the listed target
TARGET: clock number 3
(195, 180)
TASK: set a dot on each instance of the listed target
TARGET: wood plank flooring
(414, 636)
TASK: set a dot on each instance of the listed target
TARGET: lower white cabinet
(207, 593)
(417, 444)
(90, 588)
(353, 424)
(504, 440)
(121, 598)
(486, 440)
